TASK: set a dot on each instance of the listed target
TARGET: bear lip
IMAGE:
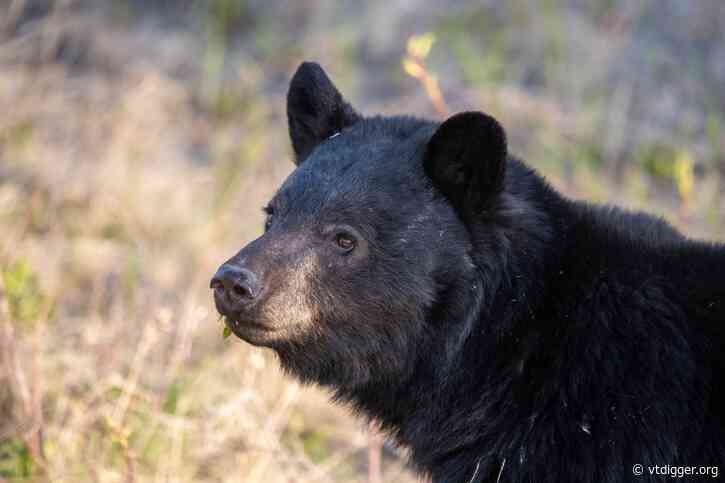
(235, 323)
(251, 332)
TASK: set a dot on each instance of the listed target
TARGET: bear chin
(258, 334)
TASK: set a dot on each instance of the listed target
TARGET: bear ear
(315, 110)
(466, 160)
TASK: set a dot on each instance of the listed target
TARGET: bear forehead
(353, 170)
(378, 145)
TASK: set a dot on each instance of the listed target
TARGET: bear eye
(345, 241)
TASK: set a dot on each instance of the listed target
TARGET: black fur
(501, 331)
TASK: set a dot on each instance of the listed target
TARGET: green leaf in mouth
(227, 331)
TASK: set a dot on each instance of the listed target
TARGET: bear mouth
(248, 330)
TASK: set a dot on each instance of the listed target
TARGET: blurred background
(139, 139)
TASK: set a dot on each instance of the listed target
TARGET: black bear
(502, 332)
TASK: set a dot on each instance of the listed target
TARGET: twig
(414, 64)
(121, 435)
(375, 450)
(147, 340)
(36, 395)
(271, 428)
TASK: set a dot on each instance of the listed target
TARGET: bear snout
(235, 289)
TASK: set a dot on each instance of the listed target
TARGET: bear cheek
(290, 305)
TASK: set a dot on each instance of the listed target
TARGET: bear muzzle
(236, 290)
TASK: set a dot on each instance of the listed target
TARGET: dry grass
(114, 366)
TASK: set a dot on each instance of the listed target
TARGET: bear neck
(461, 368)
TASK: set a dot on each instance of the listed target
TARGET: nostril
(235, 285)
(242, 292)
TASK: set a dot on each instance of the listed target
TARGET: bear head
(365, 263)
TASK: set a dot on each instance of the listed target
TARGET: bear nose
(235, 285)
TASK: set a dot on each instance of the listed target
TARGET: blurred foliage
(22, 289)
(15, 138)
(173, 395)
(659, 160)
(466, 33)
(16, 462)
(228, 16)
(414, 64)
